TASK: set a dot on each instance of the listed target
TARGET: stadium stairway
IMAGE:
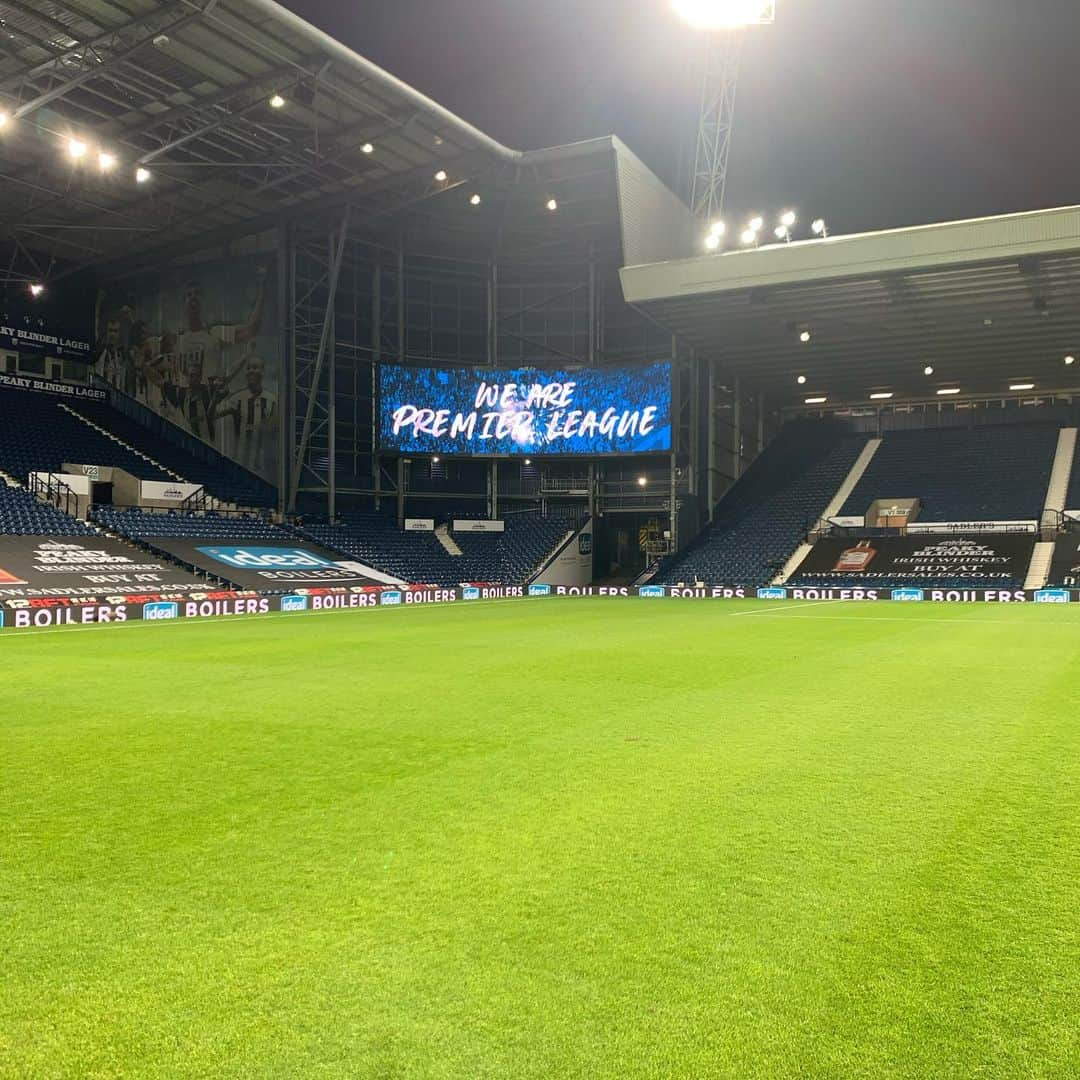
(1057, 491)
(116, 439)
(1041, 559)
(771, 508)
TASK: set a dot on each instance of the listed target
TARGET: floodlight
(949, 391)
(781, 233)
(141, 175)
(816, 400)
(712, 242)
(552, 204)
(725, 14)
(435, 460)
(105, 160)
(76, 149)
(4, 118)
(642, 481)
(788, 218)
(801, 380)
(277, 102)
(475, 200)
(1022, 386)
(756, 223)
(367, 148)
(804, 337)
(928, 370)
(1070, 359)
(528, 461)
(36, 289)
(748, 236)
(717, 228)
(441, 176)
(818, 227)
(883, 396)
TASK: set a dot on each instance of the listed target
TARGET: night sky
(873, 113)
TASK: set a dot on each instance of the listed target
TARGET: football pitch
(555, 838)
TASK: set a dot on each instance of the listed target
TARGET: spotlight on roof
(712, 242)
(1070, 359)
(528, 461)
(105, 160)
(552, 204)
(142, 175)
(367, 148)
(277, 102)
(1022, 386)
(788, 219)
(435, 460)
(642, 481)
(949, 391)
(474, 199)
(801, 380)
(724, 14)
(882, 396)
(76, 149)
(818, 227)
(928, 370)
(816, 400)
(804, 337)
(717, 228)
(757, 223)
(36, 289)
(441, 176)
(748, 236)
(4, 118)
(782, 232)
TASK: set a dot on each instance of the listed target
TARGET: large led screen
(525, 410)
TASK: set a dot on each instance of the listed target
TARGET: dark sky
(874, 113)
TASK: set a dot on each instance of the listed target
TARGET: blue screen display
(525, 410)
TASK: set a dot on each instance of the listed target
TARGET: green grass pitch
(545, 839)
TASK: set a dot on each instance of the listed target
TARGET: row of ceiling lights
(750, 235)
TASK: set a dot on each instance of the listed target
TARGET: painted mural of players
(251, 418)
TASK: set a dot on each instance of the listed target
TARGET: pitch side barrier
(41, 613)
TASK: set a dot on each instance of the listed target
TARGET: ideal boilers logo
(470, 592)
(539, 590)
(772, 593)
(161, 610)
(655, 592)
(294, 603)
(908, 594)
(267, 558)
(1053, 596)
(388, 599)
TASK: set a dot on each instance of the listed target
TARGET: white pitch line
(904, 619)
(787, 611)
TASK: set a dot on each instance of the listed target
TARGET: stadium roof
(183, 89)
(986, 303)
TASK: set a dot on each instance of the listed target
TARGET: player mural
(199, 346)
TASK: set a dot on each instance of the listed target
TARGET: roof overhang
(985, 302)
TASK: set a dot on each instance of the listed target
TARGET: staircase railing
(197, 501)
(55, 492)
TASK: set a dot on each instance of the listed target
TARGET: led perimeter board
(463, 411)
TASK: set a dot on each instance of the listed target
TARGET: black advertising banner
(51, 386)
(1065, 569)
(258, 566)
(86, 566)
(992, 559)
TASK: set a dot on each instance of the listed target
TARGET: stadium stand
(768, 512)
(136, 525)
(506, 558)
(39, 434)
(960, 474)
(21, 514)
(222, 478)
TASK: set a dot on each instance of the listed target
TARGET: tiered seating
(21, 514)
(498, 558)
(960, 474)
(137, 525)
(223, 479)
(37, 435)
(768, 512)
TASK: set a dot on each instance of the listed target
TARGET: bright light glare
(804, 337)
(817, 227)
(441, 176)
(1070, 359)
(1022, 386)
(552, 204)
(881, 397)
(36, 289)
(928, 370)
(816, 400)
(725, 14)
(435, 461)
(4, 118)
(141, 175)
(642, 481)
(367, 148)
(712, 242)
(748, 236)
(756, 223)
(801, 380)
(475, 200)
(717, 228)
(949, 391)
(780, 232)
(277, 102)
(106, 160)
(787, 219)
(76, 149)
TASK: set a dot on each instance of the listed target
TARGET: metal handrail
(54, 491)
